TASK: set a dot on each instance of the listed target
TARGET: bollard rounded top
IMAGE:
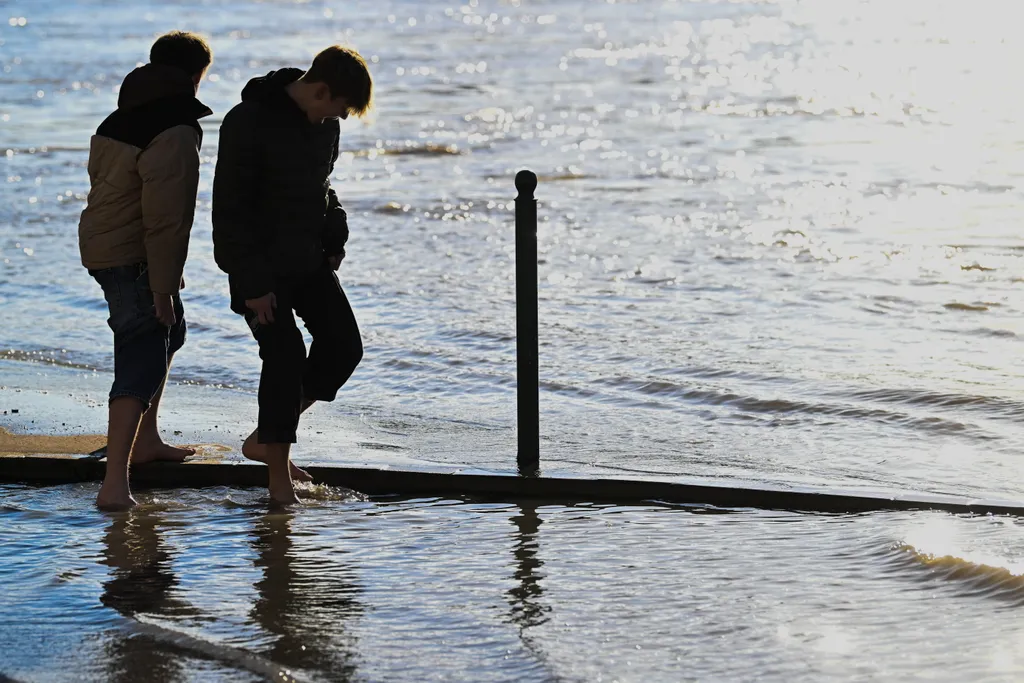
(526, 183)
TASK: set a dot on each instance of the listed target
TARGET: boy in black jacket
(279, 232)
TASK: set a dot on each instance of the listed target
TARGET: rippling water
(779, 243)
(211, 587)
(779, 240)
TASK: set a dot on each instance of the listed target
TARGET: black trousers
(288, 375)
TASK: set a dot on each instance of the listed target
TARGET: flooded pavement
(212, 586)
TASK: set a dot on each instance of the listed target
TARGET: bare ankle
(115, 494)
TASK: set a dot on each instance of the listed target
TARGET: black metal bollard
(527, 382)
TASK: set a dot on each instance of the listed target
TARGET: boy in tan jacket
(133, 235)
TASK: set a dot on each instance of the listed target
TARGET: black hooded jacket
(275, 215)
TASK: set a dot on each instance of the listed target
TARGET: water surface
(211, 586)
(779, 240)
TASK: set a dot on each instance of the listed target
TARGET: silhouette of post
(527, 383)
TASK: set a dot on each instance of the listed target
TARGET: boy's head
(339, 85)
(182, 50)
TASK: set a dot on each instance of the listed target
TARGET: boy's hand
(335, 261)
(263, 307)
(163, 305)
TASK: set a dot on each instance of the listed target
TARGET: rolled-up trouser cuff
(130, 394)
(274, 436)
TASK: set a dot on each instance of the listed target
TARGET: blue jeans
(143, 346)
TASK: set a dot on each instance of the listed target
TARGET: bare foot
(299, 474)
(282, 491)
(283, 497)
(152, 451)
(114, 498)
(254, 450)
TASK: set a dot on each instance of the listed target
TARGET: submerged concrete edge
(388, 482)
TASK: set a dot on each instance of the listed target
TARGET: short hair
(345, 73)
(186, 51)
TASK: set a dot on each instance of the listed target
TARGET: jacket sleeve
(169, 168)
(335, 233)
(238, 246)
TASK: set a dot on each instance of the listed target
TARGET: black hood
(154, 82)
(270, 88)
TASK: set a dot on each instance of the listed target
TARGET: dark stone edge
(388, 482)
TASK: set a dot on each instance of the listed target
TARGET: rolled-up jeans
(143, 346)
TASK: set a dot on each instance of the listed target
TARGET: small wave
(412, 149)
(47, 356)
(59, 358)
(380, 446)
(324, 493)
(936, 399)
(568, 389)
(455, 89)
(559, 177)
(887, 304)
(482, 335)
(710, 372)
(752, 404)
(957, 306)
(555, 178)
(780, 141)
(392, 209)
(977, 575)
(12, 513)
(989, 332)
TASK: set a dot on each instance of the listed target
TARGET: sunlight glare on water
(778, 241)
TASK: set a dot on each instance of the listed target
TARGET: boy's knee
(326, 378)
(282, 344)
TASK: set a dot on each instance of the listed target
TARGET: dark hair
(345, 73)
(186, 51)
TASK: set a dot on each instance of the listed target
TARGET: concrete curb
(385, 482)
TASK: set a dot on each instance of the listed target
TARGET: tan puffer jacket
(144, 170)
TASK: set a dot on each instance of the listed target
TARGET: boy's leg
(149, 446)
(283, 352)
(124, 418)
(254, 450)
(337, 347)
(140, 365)
(282, 491)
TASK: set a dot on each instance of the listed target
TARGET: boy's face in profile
(323, 106)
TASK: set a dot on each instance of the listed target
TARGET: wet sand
(69, 417)
(48, 444)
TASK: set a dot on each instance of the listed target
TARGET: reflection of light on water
(943, 544)
(886, 56)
